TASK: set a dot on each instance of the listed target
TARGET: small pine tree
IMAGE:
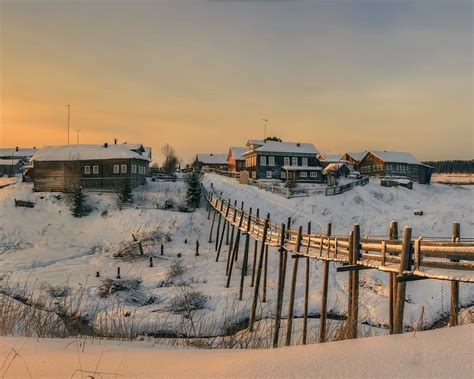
(79, 208)
(291, 183)
(193, 193)
(125, 194)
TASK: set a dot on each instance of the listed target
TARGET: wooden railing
(346, 187)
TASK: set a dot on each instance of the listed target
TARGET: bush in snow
(79, 208)
(188, 300)
(110, 286)
(125, 193)
(291, 183)
(193, 194)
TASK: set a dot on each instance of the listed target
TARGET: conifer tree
(193, 193)
(125, 193)
(79, 208)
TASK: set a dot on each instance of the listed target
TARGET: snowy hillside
(51, 257)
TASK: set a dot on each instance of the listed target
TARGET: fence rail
(330, 191)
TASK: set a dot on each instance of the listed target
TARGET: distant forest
(452, 167)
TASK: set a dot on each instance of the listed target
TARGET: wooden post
(212, 225)
(259, 274)
(151, 261)
(324, 295)
(219, 225)
(246, 255)
(454, 305)
(255, 250)
(306, 292)
(231, 245)
(355, 282)
(197, 249)
(118, 272)
(281, 286)
(405, 264)
(265, 271)
(162, 248)
(349, 283)
(97, 274)
(291, 304)
(140, 247)
(226, 223)
(236, 246)
(392, 283)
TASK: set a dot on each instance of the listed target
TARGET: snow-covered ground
(442, 353)
(453, 178)
(44, 249)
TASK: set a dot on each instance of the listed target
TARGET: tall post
(405, 264)
(392, 283)
(212, 225)
(306, 291)
(259, 274)
(355, 281)
(281, 286)
(226, 223)
(265, 272)
(291, 304)
(255, 250)
(246, 254)
(231, 245)
(219, 224)
(349, 282)
(236, 246)
(454, 306)
(324, 296)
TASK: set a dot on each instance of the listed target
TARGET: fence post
(197, 248)
(219, 224)
(324, 295)
(349, 281)
(306, 290)
(265, 271)
(259, 274)
(281, 285)
(236, 246)
(392, 283)
(454, 306)
(255, 250)
(231, 245)
(226, 222)
(291, 304)
(246, 255)
(212, 225)
(355, 281)
(405, 264)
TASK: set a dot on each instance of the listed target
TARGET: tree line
(452, 166)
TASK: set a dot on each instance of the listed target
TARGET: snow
(211, 158)
(284, 147)
(304, 168)
(396, 156)
(330, 157)
(431, 354)
(85, 152)
(357, 155)
(8, 162)
(335, 166)
(22, 152)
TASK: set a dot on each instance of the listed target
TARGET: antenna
(265, 133)
(78, 131)
(68, 120)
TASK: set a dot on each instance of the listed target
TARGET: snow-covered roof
(85, 152)
(22, 152)
(357, 155)
(330, 157)
(237, 152)
(211, 158)
(302, 168)
(9, 162)
(284, 147)
(396, 156)
(335, 166)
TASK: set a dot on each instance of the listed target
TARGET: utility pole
(78, 131)
(265, 133)
(68, 120)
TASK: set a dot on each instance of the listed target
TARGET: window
(269, 174)
(294, 161)
(263, 161)
(134, 168)
(116, 168)
(286, 161)
(283, 174)
(124, 169)
(95, 169)
(303, 174)
(87, 170)
(271, 161)
(304, 162)
(313, 174)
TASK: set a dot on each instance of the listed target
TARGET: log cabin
(23, 153)
(104, 167)
(354, 158)
(274, 160)
(395, 164)
(235, 159)
(211, 160)
(11, 166)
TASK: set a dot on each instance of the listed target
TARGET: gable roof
(85, 152)
(357, 155)
(237, 152)
(396, 156)
(330, 157)
(336, 166)
(22, 152)
(283, 147)
(211, 158)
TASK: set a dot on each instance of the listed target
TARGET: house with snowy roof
(354, 158)
(211, 160)
(105, 167)
(10, 166)
(397, 164)
(23, 153)
(283, 161)
(235, 159)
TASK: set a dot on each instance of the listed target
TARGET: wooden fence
(404, 260)
(346, 187)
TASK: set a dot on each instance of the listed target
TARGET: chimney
(115, 141)
(106, 145)
(16, 149)
(298, 144)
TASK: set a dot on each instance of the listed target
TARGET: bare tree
(171, 159)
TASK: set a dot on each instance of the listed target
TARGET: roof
(396, 156)
(211, 158)
(330, 157)
(85, 152)
(357, 155)
(22, 152)
(283, 147)
(335, 166)
(237, 152)
(302, 168)
(9, 162)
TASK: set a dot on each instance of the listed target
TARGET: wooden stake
(265, 271)
(231, 246)
(281, 286)
(454, 305)
(405, 264)
(306, 291)
(236, 246)
(197, 249)
(291, 304)
(219, 225)
(324, 295)
(255, 250)
(118, 272)
(151, 261)
(246, 255)
(162, 249)
(349, 283)
(392, 283)
(226, 222)
(355, 281)
(212, 225)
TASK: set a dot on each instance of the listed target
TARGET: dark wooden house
(211, 160)
(23, 153)
(395, 164)
(93, 167)
(338, 169)
(354, 158)
(11, 166)
(235, 159)
(283, 161)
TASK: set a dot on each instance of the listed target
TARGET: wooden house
(22, 153)
(235, 159)
(354, 158)
(93, 167)
(211, 160)
(273, 160)
(338, 169)
(10, 166)
(395, 164)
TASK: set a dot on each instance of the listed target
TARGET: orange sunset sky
(201, 75)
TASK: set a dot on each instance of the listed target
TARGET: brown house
(211, 160)
(235, 160)
(354, 158)
(93, 167)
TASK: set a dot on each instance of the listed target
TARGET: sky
(201, 75)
